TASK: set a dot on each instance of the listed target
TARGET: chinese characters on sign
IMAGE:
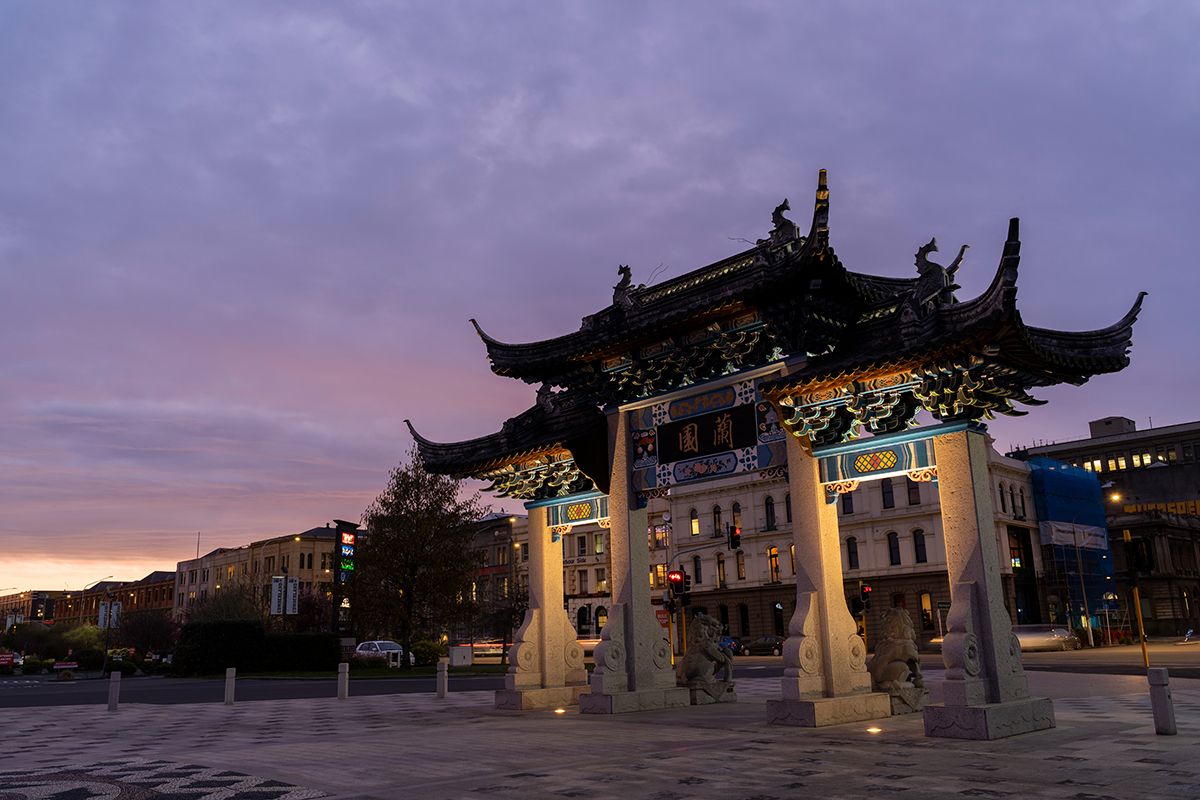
(703, 435)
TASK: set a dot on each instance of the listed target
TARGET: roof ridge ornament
(818, 236)
(623, 291)
(935, 286)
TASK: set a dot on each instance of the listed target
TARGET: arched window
(792, 557)
(601, 618)
(695, 522)
(1012, 498)
(741, 565)
(1003, 502)
(737, 514)
(1022, 501)
(773, 563)
(718, 526)
(919, 554)
(723, 615)
(697, 578)
(852, 553)
(893, 540)
(787, 506)
(721, 573)
(769, 512)
(583, 622)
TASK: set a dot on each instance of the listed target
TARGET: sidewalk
(416, 746)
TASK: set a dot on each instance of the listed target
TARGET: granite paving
(417, 746)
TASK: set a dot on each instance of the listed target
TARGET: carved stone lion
(698, 669)
(896, 666)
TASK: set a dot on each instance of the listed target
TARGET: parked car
(383, 649)
(730, 644)
(764, 646)
(1046, 637)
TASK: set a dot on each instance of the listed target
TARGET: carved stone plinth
(909, 699)
(625, 702)
(531, 699)
(715, 692)
(991, 720)
(824, 711)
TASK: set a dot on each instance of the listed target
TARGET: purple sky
(240, 242)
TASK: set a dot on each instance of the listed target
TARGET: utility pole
(1137, 597)
(1087, 616)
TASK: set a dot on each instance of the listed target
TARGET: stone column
(546, 661)
(825, 678)
(986, 695)
(633, 661)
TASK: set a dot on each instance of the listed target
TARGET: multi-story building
(308, 556)
(35, 605)
(1151, 480)
(151, 592)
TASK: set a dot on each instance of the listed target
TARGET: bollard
(343, 681)
(114, 690)
(443, 676)
(1160, 701)
(230, 678)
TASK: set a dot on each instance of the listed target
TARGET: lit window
(695, 523)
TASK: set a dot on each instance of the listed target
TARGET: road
(1183, 662)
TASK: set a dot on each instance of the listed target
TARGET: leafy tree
(416, 561)
(84, 637)
(232, 603)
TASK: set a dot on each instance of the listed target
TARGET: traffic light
(675, 582)
(687, 583)
(735, 537)
(864, 595)
(669, 605)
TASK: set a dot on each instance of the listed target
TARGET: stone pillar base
(720, 692)
(823, 711)
(530, 699)
(624, 702)
(991, 720)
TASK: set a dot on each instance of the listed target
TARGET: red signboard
(664, 617)
(6, 659)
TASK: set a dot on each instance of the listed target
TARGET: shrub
(36, 666)
(427, 652)
(89, 659)
(302, 651)
(126, 668)
(359, 663)
(6, 669)
(211, 647)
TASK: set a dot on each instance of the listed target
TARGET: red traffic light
(866, 588)
(675, 577)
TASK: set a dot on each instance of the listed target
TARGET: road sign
(664, 617)
(6, 659)
(943, 605)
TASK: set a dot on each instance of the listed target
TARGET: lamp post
(1109, 597)
(1087, 614)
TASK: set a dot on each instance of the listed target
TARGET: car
(1046, 637)
(383, 649)
(764, 646)
(730, 644)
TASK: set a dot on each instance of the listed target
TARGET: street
(1183, 661)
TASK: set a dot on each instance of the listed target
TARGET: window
(502, 555)
(718, 527)
(1003, 502)
(886, 491)
(926, 611)
(721, 574)
(658, 576)
(204, 576)
(737, 515)
(787, 506)
(893, 540)
(695, 523)
(914, 491)
(1012, 499)
(769, 513)
(1137, 460)
(191, 576)
(852, 553)
(601, 618)
(283, 563)
(773, 563)
(583, 621)
(697, 575)
(1022, 512)
(581, 545)
(792, 557)
(599, 548)
(324, 562)
(919, 554)
(524, 551)
(502, 587)
(848, 503)
(723, 615)
(744, 619)
(898, 600)
(1121, 461)
(601, 581)
(230, 570)
(741, 565)
(583, 581)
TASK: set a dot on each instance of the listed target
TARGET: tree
(232, 603)
(148, 631)
(415, 563)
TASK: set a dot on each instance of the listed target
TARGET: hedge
(207, 648)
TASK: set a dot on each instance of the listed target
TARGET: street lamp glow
(1115, 497)
(874, 730)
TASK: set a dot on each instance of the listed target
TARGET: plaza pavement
(417, 746)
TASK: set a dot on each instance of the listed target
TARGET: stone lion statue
(699, 667)
(896, 664)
